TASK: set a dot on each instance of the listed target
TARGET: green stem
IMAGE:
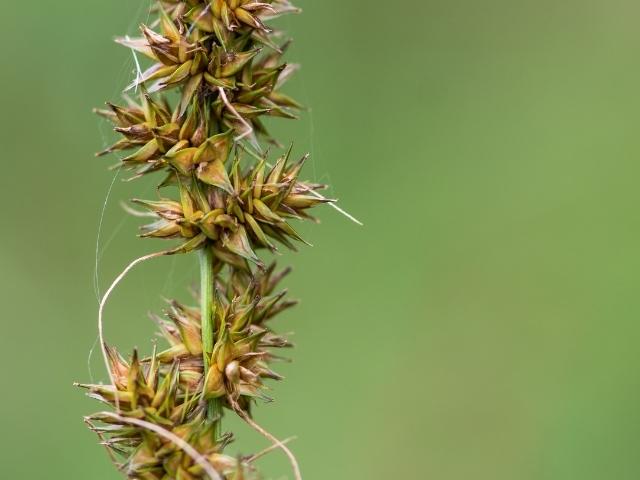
(214, 411)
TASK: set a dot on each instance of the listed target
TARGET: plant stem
(214, 410)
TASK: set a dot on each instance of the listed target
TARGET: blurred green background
(484, 322)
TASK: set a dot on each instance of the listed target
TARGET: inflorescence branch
(215, 73)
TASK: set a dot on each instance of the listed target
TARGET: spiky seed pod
(161, 137)
(170, 387)
(226, 65)
(240, 361)
(202, 62)
(148, 392)
(237, 214)
(164, 137)
(227, 12)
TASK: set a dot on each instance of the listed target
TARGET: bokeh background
(484, 322)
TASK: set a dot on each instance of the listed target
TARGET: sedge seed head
(225, 65)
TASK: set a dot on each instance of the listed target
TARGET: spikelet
(235, 215)
(221, 199)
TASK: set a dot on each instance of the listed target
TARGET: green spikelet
(224, 65)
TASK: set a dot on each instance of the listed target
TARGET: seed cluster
(224, 67)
